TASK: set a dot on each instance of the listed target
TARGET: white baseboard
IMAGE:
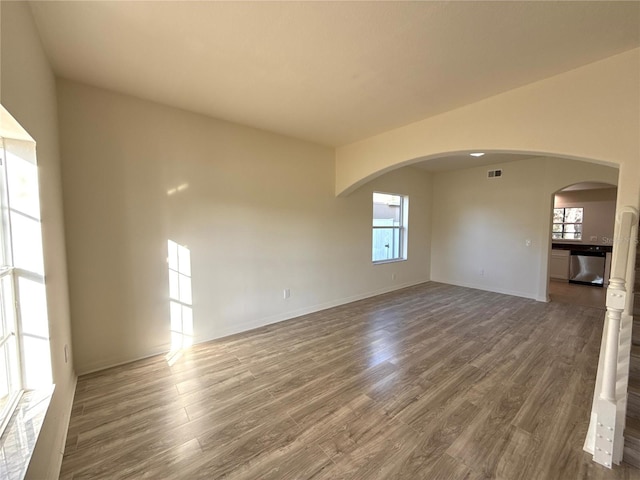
(485, 288)
(243, 327)
(249, 325)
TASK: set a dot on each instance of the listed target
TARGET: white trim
(486, 288)
(250, 325)
(56, 464)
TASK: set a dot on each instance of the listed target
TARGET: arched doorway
(583, 221)
(491, 217)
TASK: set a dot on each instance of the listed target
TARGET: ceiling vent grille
(494, 173)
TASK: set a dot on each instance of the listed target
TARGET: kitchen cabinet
(559, 264)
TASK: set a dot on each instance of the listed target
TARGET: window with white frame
(567, 223)
(390, 214)
(25, 361)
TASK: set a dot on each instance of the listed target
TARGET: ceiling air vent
(494, 173)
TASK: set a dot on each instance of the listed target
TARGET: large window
(25, 361)
(389, 227)
(567, 223)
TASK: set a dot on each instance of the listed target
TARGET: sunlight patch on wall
(180, 301)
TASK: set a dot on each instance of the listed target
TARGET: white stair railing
(605, 436)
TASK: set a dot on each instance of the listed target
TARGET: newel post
(610, 409)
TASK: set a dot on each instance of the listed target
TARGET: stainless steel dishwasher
(587, 267)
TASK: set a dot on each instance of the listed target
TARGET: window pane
(557, 227)
(572, 236)
(386, 215)
(573, 227)
(27, 243)
(33, 307)
(9, 376)
(7, 301)
(558, 215)
(22, 179)
(13, 370)
(573, 215)
(37, 366)
(386, 244)
(5, 389)
(386, 198)
(396, 243)
(556, 235)
(386, 209)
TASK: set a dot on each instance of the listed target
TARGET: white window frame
(12, 355)
(24, 370)
(11, 326)
(564, 224)
(402, 228)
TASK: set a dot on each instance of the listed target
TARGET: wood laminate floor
(587, 295)
(430, 382)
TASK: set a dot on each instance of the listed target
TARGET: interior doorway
(583, 219)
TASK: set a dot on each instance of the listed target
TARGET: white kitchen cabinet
(559, 265)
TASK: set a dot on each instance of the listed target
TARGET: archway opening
(491, 222)
(582, 227)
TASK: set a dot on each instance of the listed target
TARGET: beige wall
(258, 213)
(28, 93)
(598, 215)
(592, 112)
(480, 226)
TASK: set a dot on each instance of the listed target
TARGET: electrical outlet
(527, 242)
(394, 276)
(286, 293)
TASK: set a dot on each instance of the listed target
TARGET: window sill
(393, 260)
(19, 438)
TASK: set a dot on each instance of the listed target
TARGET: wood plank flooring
(587, 295)
(430, 382)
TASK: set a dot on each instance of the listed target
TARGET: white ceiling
(329, 72)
